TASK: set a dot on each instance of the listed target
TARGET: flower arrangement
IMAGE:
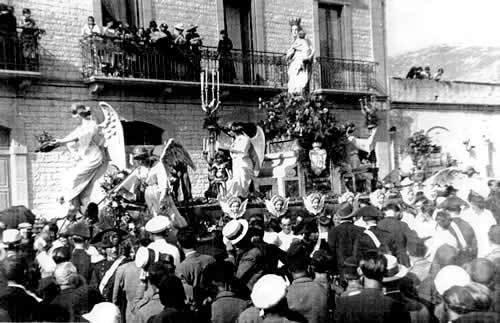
(116, 202)
(46, 141)
(307, 119)
(419, 146)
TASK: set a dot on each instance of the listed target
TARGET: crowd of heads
(400, 254)
(420, 73)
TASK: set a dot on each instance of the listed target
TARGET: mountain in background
(478, 64)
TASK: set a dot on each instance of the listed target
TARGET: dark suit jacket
(81, 260)
(341, 241)
(250, 266)
(309, 299)
(78, 301)
(405, 238)
(227, 307)
(20, 306)
(365, 243)
(191, 271)
(470, 252)
(370, 305)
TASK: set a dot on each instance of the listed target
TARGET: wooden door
(4, 182)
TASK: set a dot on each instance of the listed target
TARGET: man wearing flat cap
(80, 234)
(159, 227)
(342, 237)
(374, 238)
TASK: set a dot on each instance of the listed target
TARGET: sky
(416, 24)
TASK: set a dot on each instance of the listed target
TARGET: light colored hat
(104, 312)
(406, 182)
(158, 224)
(11, 236)
(394, 270)
(24, 225)
(268, 291)
(450, 276)
(64, 272)
(235, 230)
(145, 257)
(179, 26)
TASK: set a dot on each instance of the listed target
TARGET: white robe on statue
(90, 161)
(243, 168)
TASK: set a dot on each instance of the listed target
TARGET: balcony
(107, 61)
(335, 75)
(19, 55)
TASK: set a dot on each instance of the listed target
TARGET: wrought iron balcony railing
(344, 75)
(117, 58)
(19, 51)
(107, 57)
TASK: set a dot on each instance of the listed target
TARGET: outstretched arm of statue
(72, 137)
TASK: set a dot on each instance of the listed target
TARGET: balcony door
(4, 182)
(330, 31)
(238, 24)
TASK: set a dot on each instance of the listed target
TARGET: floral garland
(419, 146)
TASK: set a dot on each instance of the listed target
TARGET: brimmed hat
(268, 291)
(179, 26)
(452, 203)
(394, 270)
(235, 230)
(476, 198)
(11, 236)
(450, 276)
(103, 237)
(368, 213)
(140, 153)
(103, 313)
(80, 229)
(145, 257)
(25, 226)
(344, 211)
(406, 182)
(191, 27)
(158, 224)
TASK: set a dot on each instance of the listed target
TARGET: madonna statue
(299, 57)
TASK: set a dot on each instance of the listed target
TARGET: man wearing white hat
(268, 297)
(159, 226)
(103, 313)
(249, 260)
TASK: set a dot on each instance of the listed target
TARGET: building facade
(461, 117)
(156, 97)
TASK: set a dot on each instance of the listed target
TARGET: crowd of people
(18, 49)
(419, 73)
(116, 46)
(400, 254)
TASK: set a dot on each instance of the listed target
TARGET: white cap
(11, 236)
(104, 313)
(158, 224)
(268, 291)
(450, 276)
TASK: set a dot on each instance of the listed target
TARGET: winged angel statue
(96, 143)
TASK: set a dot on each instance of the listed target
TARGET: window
(126, 11)
(238, 23)
(331, 31)
(139, 133)
(4, 137)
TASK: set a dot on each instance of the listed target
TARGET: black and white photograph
(250, 161)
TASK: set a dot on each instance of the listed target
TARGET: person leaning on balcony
(224, 55)
(90, 29)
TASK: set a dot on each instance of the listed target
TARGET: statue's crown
(295, 21)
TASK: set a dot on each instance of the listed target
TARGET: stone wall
(451, 113)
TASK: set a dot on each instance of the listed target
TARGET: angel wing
(285, 206)
(258, 149)
(270, 207)
(109, 122)
(243, 209)
(174, 154)
(224, 206)
(308, 204)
